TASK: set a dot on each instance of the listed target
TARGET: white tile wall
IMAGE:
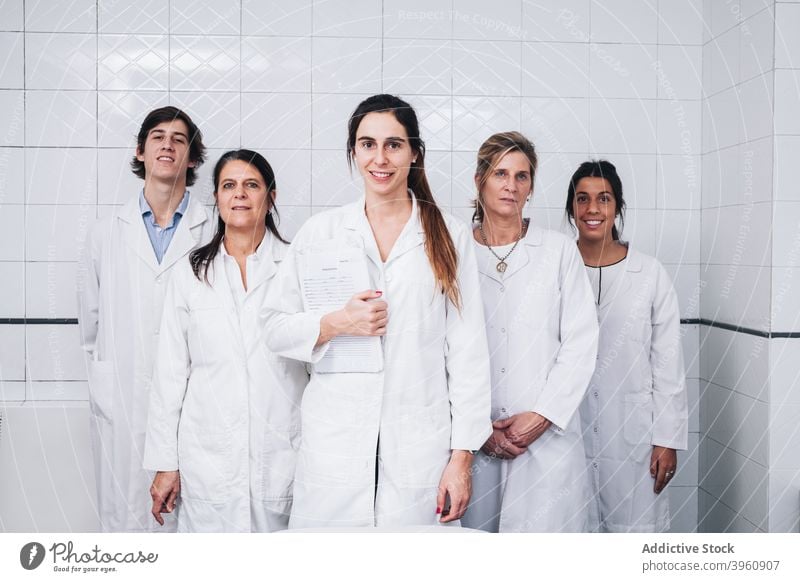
(785, 298)
(277, 64)
(118, 114)
(476, 19)
(623, 126)
(678, 236)
(61, 176)
(54, 353)
(61, 61)
(431, 70)
(680, 22)
(356, 18)
(13, 14)
(12, 72)
(555, 124)
(786, 234)
(621, 21)
(12, 118)
(556, 20)
(133, 62)
(557, 69)
(787, 45)
(276, 17)
(46, 16)
(738, 421)
(683, 509)
(787, 101)
(204, 63)
(51, 290)
(12, 292)
(12, 180)
(784, 491)
(680, 72)
(346, 65)
(52, 232)
(623, 71)
(787, 152)
(476, 118)
(61, 118)
(679, 127)
(205, 17)
(141, 17)
(12, 354)
(678, 182)
(12, 232)
(757, 44)
(269, 119)
(486, 68)
(417, 19)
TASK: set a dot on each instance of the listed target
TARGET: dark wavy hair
(197, 151)
(598, 169)
(439, 245)
(202, 257)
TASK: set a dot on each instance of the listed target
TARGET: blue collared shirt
(161, 237)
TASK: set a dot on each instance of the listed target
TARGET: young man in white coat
(123, 272)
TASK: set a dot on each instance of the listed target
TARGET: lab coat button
(594, 465)
(502, 289)
(502, 370)
(595, 394)
(595, 429)
(502, 330)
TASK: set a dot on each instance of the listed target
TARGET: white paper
(329, 280)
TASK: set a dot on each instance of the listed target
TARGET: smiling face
(594, 208)
(506, 187)
(166, 152)
(242, 196)
(383, 155)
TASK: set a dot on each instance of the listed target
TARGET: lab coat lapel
(412, 235)
(357, 225)
(269, 254)
(135, 233)
(186, 235)
(633, 264)
(525, 248)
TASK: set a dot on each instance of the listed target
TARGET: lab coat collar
(532, 238)
(135, 234)
(264, 266)
(410, 237)
(633, 264)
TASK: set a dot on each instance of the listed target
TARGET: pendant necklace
(501, 265)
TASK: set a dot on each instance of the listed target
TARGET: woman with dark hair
(542, 330)
(224, 412)
(635, 414)
(387, 441)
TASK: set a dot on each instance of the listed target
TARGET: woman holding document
(223, 422)
(381, 297)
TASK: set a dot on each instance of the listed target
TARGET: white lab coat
(121, 289)
(224, 410)
(432, 395)
(542, 331)
(636, 399)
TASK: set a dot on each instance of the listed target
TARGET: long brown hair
(439, 245)
(491, 152)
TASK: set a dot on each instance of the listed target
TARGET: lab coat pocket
(205, 460)
(102, 381)
(425, 438)
(278, 462)
(638, 421)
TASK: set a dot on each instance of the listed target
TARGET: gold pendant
(501, 267)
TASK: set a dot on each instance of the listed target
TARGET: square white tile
(217, 115)
(556, 125)
(785, 302)
(640, 229)
(787, 45)
(12, 176)
(417, 66)
(133, 62)
(276, 120)
(486, 68)
(680, 127)
(292, 174)
(63, 392)
(356, 18)
(463, 190)
(752, 297)
(47, 16)
(292, 218)
(332, 182)
(556, 20)
(755, 175)
(756, 103)
(329, 122)
(276, 64)
(61, 176)
(678, 182)
(725, 14)
(622, 21)
(61, 61)
(683, 509)
(784, 490)
(12, 118)
(13, 15)
(724, 62)
(787, 152)
(121, 113)
(142, 17)
(552, 178)
(205, 17)
(786, 234)
(346, 65)
(116, 183)
(54, 353)
(551, 69)
(12, 352)
(435, 116)
(622, 126)
(479, 20)
(417, 19)
(476, 118)
(679, 72)
(680, 22)
(787, 102)
(54, 233)
(275, 17)
(12, 232)
(685, 279)
(438, 169)
(690, 342)
(12, 392)
(757, 48)
(61, 118)
(12, 73)
(51, 290)
(12, 292)
(784, 435)
(623, 71)
(738, 422)
(722, 121)
(678, 236)
(204, 63)
(638, 175)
